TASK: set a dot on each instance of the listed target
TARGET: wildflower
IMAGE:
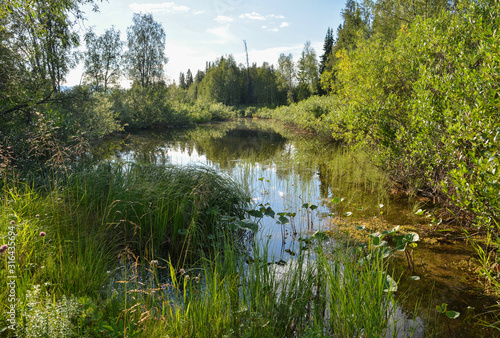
(153, 262)
(42, 234)
(12, 222)
(187, 277)
(182, 271)
(37, 216)
(3, 248)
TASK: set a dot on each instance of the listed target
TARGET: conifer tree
(327, 50)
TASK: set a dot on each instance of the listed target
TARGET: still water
(280, 167)
(284, 168)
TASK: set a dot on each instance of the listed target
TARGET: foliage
(286, 75)
(244, 294)
(146, 50)
(102, 59)
(223, 82)
(307, 73)
(44, 317)
(320, 114)
(161, 210)
(70, 237)
(435, 126)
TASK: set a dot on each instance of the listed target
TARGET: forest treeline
(414, 80)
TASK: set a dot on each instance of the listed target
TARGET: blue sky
(198, 31)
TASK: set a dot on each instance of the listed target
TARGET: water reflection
(281, 168)
(285, 169)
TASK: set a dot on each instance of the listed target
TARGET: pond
(280, 167)
(284, 169)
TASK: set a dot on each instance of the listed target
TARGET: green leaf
(392, 231)
(256, 213)
(420, 212)
(347, 214)
(442, 308)
(337, 200)
(361, 227)
(312, 207)
(390, 284)
(452, 314)
(268, 212)
(401, 246)
(381, 251)
(412, 237)
(320, 236)
(283, 220)
(247, 224)
(415, 277)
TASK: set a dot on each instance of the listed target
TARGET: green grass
(98, 214)
(121, 241)
(321, 293)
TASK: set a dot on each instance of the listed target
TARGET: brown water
(284, 168)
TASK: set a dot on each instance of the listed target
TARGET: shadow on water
(283, 169)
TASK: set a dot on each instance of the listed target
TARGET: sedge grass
(319, 293)
(143, 251)
(91, 217)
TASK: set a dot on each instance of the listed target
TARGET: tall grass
(68, 236)
(320, 293)
(162, 210)
(143, 250)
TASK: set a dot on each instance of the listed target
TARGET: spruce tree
(327, 50)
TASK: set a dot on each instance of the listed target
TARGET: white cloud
(167, 7)
(284, 24)
(253, 16)
(222, 19)
(274, 16)
(222, 33)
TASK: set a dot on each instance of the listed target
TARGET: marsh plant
(322, 290)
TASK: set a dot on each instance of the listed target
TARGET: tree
(146, 50)
(355, 26)
(390, 15)
(286, 75)
(102, 58)
(36, 43)
(250, 87)
(222, 82)
(182, 80)
(189, 78)
(307, 74)
(266, 85)
(327, 50)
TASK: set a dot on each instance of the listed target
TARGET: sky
(198, 31)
